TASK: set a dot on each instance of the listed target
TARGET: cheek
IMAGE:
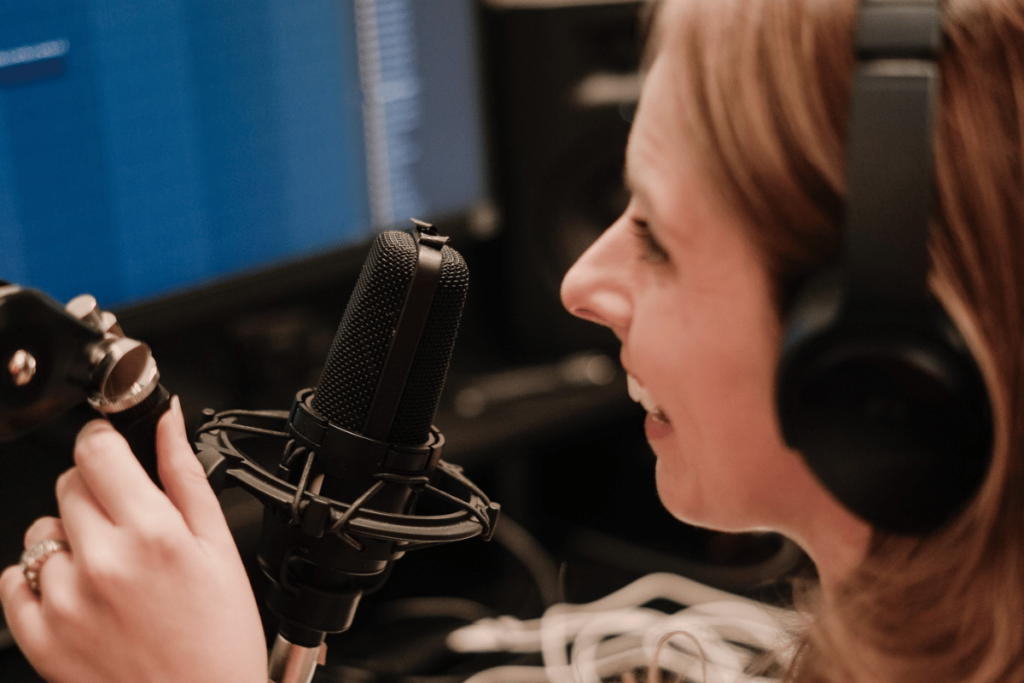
(715, 375)
(725, 455)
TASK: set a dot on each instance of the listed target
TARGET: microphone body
(387, 365)
(363, 436)
(370, 331)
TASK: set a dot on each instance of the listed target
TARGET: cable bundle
(717, 637)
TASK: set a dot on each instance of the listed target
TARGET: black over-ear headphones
(875, 386)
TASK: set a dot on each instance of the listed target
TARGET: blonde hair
(763, 86)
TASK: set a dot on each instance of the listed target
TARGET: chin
(685, 501)
(680, 497)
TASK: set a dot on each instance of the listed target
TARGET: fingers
(12, 581)
(112, 473)
(13, 589)
(126, 494)
(22, 609)
(184, 480)
(43, 528)
(84, 521)
(25, 610)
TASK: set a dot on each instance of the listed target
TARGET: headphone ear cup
(889, 411)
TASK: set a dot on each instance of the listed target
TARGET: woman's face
(681, 285)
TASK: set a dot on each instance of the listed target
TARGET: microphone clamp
(315, 432)
(220, 449)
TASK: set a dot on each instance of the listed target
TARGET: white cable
(589, 642)
(593, 632)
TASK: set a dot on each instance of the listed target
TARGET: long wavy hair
(763, 86)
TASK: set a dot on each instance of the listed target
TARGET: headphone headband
(899, 29)
(894, 98)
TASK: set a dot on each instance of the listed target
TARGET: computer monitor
(152, 149)
(179, 159)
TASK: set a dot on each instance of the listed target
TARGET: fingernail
(179, 417)
(91, 426)
(62, 479)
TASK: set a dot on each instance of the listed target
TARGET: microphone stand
(291, 663)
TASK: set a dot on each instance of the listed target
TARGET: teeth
(640, 395)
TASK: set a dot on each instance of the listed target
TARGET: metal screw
(22, 367)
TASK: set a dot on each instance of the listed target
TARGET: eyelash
(653, 252)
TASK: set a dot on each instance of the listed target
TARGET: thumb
(185, 481)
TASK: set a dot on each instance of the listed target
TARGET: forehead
(656, 153)
(665, 167)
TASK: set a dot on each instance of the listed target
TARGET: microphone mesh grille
(356, 360)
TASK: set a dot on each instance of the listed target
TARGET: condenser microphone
(362, 438)
(359, 449)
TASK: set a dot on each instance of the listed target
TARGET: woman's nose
(596, 287)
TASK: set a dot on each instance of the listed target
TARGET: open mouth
(638, 393)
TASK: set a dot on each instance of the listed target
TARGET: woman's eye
(653, 252)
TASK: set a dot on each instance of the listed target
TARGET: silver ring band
(35, 556)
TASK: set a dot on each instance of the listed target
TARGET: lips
(638, 393)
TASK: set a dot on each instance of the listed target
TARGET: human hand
(152, 589)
